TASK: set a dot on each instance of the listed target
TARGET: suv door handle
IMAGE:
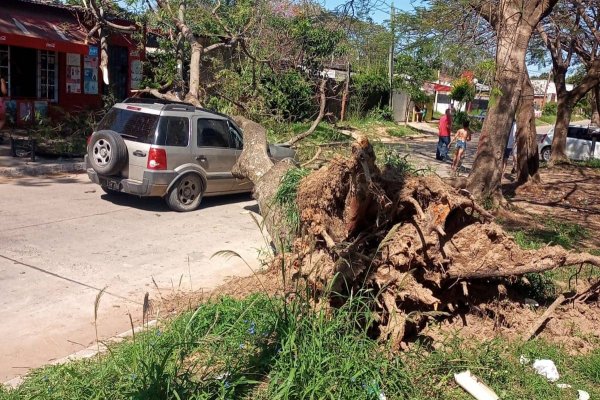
(139, 153)
(201, 158)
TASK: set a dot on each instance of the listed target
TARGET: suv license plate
(112, 184)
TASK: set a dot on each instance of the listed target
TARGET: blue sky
(381, 9)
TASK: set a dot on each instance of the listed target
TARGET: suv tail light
(157, 159)
(87, 142)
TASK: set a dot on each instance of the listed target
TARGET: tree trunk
(595, 100)
(485, 177)
(563, 118)
(528, 160)
(317, 121)
(345, 94)
(195, 60)
(255, 164)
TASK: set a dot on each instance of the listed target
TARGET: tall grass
(286, 195)
(261, 348)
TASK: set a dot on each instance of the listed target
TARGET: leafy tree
(570, 34)
(463, 91)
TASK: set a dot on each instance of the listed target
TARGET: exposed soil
(425, 247)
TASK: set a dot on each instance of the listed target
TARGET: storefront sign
(90, 75)
(73, 69)
(93, 51)
(136, 74)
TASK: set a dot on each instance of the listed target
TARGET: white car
(582, 143)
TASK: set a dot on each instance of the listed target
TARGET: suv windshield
(133, 125)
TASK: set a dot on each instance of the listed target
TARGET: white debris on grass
(583, 395)
(547, 369)
(474, 386)
(563, 386)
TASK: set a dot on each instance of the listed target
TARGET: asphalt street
(62, 240)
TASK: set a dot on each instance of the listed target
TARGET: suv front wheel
(186, 194)
(546, 153)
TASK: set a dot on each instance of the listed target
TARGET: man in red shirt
(444, 132)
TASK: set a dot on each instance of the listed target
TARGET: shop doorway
(23, 72)
(118, 71)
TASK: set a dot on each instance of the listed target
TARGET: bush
(290, 95)
(550, 109)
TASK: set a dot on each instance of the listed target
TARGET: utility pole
(391, 56)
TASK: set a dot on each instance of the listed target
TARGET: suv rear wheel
(186, 194)
(107, 152)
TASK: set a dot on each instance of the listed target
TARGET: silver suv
(149, 147)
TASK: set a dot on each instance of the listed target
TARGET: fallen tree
(415, 242)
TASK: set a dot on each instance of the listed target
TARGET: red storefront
(50, 64)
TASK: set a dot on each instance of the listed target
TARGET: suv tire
(546, 153)
(107, 152)
(186, 194)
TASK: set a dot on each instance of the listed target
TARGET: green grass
(286, 194)
(552, 232)
(402, 131)
(593, 163)
(544, 286)
(545, 120)
(324, 133)
(496, 362)
(265, 348)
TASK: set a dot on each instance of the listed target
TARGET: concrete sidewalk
(16, 167)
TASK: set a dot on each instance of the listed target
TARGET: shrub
(550, 109)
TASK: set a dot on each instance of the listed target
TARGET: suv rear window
(133, 125)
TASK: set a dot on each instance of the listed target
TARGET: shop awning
(33, 27)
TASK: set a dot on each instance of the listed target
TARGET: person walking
(444, 135)
(462, 137)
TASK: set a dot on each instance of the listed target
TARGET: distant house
(50, 63)
(543, 88)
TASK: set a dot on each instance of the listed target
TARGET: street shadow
(42, 181)
(158, 204)
(253, 208)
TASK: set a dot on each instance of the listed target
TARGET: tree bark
(255, 164)
(563, 118)
(595, 100)
(514, 22)
(195, 60)
(317, 121)
(528, 160)
(345, 94)
(485, 177)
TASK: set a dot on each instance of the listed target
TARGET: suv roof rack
(171, 105)
(149, 100)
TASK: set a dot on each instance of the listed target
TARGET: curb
(44, 169)
(86, 353)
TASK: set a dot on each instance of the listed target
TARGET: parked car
(581, 143)
(148, 147)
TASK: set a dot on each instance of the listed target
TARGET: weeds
(392, 158)
(286, 195)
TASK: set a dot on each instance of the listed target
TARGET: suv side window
(236, 139)
(173, 131)
(578, 133)
(213, 133)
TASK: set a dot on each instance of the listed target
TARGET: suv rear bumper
(154, 183)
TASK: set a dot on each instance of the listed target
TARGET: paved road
(62, 240)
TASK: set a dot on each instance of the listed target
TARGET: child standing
(462, 136)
